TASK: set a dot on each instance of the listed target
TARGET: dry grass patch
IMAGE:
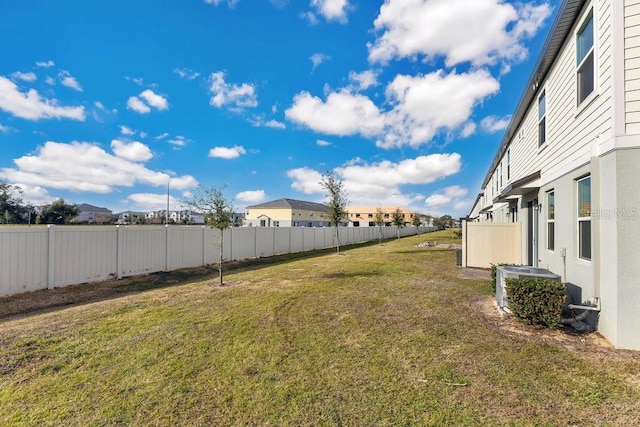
(385, 334)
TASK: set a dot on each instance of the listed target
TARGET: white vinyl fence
(33, 258)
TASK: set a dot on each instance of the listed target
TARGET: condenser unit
(517, 272)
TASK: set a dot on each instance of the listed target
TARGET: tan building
(365, 216)
(287, 213)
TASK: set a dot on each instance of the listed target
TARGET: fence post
(464, 243)
(204, 245)
(166, 239)
(51, 257)
(119, 254)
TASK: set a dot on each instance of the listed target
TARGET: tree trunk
(337, 239)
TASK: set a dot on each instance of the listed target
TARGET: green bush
(537, 301)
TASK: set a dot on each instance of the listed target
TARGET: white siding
(632, 65)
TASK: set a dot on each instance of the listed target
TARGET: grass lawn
(387, 334)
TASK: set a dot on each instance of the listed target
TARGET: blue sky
(405, 100)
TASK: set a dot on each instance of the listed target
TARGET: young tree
(416, 221)
(217, 211)
(58, 212)
(337, 203)
(398, 220)
(378, 220)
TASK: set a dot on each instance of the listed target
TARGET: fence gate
(486, 243)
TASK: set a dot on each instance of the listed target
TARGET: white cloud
(363, 80)
(27, 77)
(251, 196)
(446, 197)
(154, 202)
(306, 180)
(67, 80)
(227, 152)
(235, 96)
(134, 151)
(45, 64)
(126, 130)
(134, 103)
(32, 106)
(310, 17)
(451, 200)
(424, 105)
(161, 136)
(479, 31)
(4, 128)
(154, 100)
(56, 165)
(35, 195)
(230, 3)
(318, 58)
(493, 124)
(322, 143)
(381, 183)
(186, 73)
(50, 81)
(421, 170)
(332, 10)
(275, 124)
(421, 107)
(468, 130)
(342, 114)
(178, 142)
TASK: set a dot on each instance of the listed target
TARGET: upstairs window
(542, 119)
(585, 59)
(509, 164)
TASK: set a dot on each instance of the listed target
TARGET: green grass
(381, 335)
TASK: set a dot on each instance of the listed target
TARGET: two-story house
(568, 168)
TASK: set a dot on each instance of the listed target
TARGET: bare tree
(337, 202)
(379, 222)
(217, 211)
(398, 220)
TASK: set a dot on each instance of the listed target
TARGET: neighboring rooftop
(290, 204)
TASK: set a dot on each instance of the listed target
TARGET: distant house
(130, 217)
(365, 216)
(90, 214)
(186, 217)
(287, 213)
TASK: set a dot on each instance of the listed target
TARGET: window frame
(542, 118)
(588, 58)
(551, 220)
(583, 218)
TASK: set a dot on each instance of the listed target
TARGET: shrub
(535, 300)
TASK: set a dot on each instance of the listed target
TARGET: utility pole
(166, 217)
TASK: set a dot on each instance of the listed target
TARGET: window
(369, 215)
(276, 223)
(542, 118)
(551, 221)
(356, 223)
(372, 224)
(584, 218)
(508, 164)
(500, 174)
(585, 59)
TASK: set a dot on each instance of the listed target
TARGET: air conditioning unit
(517, 272)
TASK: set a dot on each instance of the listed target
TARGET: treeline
(13, 210)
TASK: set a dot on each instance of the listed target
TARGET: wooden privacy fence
(486, 243)
(33, 258)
